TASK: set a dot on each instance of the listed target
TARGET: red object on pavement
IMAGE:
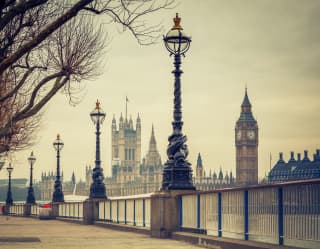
(47, 205)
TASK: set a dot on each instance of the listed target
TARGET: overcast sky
(273, 47)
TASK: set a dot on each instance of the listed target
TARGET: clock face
(251, 134)
(238, 135)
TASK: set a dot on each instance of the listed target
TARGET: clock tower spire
(246, 141)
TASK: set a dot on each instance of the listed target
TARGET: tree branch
(73, 11)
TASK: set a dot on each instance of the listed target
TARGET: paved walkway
(54, 234)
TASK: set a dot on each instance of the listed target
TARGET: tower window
(116, 152)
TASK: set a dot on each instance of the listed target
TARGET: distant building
(126, 149)
(213, 180)
(129, 175)
(295, 168)
(46, 185)
(246, 141)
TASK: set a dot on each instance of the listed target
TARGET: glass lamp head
(176, 40)
(31, 158)
(10, 168)
(58, 144)
(97, 115)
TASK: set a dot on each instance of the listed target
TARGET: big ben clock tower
(246, 137)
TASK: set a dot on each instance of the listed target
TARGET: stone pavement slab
(54, 234)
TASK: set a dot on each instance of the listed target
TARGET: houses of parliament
(131, 175)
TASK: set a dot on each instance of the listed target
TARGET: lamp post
(58, 194)
(97, 188)
(30, 197)
(177, 173)
(9, 200)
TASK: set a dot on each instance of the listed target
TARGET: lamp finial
(58, 136)
(176, 21)
(97, 105)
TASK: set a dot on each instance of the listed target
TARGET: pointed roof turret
(199, 161)
(246, 114)
(73, 178)
(138, 123)
(220, 174)
(153, 156)
(226, 176)
(214, 176)
(152, 143)
(246, 101)
(130, 123)
(121, 121)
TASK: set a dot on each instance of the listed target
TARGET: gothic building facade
(246, 141)
(130, 175)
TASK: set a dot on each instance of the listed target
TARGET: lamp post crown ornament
(98, 105)
(177, 21)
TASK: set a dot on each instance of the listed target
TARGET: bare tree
(47, 46)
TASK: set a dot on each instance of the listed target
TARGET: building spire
(246, 101)
(246, 113)
(199, 161)
(153, 143)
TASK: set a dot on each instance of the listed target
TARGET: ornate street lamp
(97, 188)
(58, 194)
(9, 200)
(30, 197)
(177, 173)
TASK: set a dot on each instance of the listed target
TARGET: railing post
(280, 215)
(180, 212)
(110, 211)
(104, 210)
(117, 211)
(27, 209)
(134, 212)
(198, 213)
(125, 212)
(246, 214)
(219, 214)
(143, 212)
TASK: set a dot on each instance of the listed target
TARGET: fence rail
(284, 214)
(34, 210)
(71, 210)
(17, 209)
(129, 211)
